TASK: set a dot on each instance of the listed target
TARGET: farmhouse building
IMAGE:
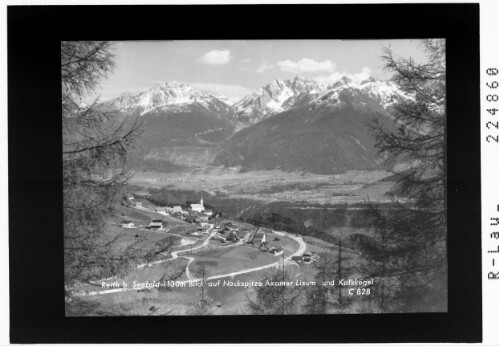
(162, 211)
(128, 224)
(177, 209)
(156, 224)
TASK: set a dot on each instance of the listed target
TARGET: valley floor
(269, 186)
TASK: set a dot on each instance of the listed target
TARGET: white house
(162, 212)
(208, 212)
(127, 224)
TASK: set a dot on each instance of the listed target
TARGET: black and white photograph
(251, 173)
(254, 177)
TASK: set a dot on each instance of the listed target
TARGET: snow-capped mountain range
(169, 96)
(363, 96)
(292, 125)
(273, 98)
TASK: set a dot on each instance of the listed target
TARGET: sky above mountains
(237, 68)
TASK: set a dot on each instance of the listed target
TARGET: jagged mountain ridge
(324, 133)
(275, 97)
(290, 125)
(182, 126)
(169, 97)
(370, 95)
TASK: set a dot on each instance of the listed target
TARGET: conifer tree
(275, 299)
(317, 297)
(203, 305)
(407, 254)
(95, 146)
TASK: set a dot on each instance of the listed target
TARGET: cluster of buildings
(194, 209)
(196, 214)
(230, 233)
(259, 239)
(205, 220)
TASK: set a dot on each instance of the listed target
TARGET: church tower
(201, 200)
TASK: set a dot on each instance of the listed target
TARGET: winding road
(177, 254)
(286, 260)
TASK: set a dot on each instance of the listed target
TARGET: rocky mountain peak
(303, 84)
(369, 95)
(275, 97)
(169, 97)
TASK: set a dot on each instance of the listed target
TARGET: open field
(143, 240)
(139, 216)
(236, 258)
(142, 243)
(142, 217)
(232, 259)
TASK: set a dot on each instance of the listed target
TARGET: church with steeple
(198, 207)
